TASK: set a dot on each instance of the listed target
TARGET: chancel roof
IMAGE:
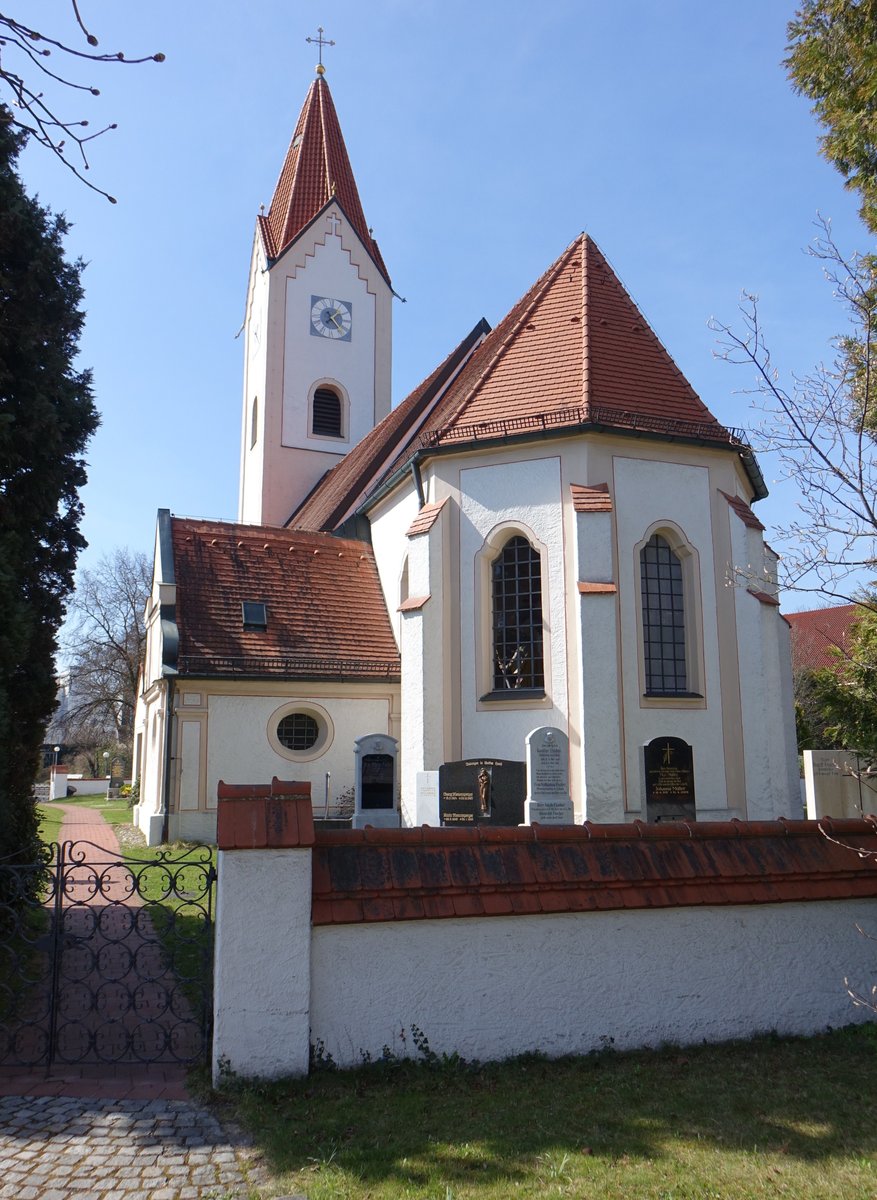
(575, 352)
(316, 170)
(325, 616)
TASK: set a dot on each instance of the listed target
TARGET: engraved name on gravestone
(669, 780)
(482, 791)
(548, 800)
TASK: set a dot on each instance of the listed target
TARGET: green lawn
(757, 1120)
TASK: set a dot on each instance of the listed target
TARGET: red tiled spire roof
(315, 170)
(218, 565)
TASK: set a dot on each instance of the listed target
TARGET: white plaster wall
(319, 263)
(527, 495)
(770, 754)
(262, 967)
(255, 385)
(488, 988)
(602, 796)
(239, 750)
(329, 273)
(645, 493)
(389, 521)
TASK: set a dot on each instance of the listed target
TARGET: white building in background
(540, 534)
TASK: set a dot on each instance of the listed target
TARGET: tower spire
(316, 170)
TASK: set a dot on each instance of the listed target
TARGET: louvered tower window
(517, 617)
(663, 600)
(326, 413)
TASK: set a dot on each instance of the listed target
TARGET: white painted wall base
(489, 988)
(261, 976)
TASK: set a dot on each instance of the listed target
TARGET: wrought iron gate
(106, 959)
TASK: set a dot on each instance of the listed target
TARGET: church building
(549, 531)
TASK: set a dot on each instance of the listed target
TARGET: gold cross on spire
(320, 41)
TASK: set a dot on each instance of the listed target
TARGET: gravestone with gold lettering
(482, 791)
(669, 780)
(548, 800)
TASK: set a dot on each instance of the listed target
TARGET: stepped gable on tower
(575, 352)
(315, 171)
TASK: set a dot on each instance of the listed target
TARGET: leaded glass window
(517, 617)
(663, 618)
(298, 731)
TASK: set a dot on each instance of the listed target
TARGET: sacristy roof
(326, 617)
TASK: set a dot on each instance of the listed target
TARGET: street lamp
(106, 758)
(56, 751)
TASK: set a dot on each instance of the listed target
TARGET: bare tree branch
(23, 51)
(822, 428)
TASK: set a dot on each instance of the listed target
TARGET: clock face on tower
(331, 318)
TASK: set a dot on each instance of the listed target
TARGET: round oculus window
(298, 731)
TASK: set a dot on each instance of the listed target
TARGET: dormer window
(327, 411)
(254, 614)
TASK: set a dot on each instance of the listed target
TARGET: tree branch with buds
(25, 73)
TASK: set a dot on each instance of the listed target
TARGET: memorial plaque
(669, 780)
(375, 781)
(548, 799)
(482, 791)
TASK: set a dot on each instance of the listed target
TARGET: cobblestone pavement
(62, 1148)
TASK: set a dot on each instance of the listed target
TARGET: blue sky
(484, 138)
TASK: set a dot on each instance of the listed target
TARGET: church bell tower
(318, 323)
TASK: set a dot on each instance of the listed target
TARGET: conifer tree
(46, 418)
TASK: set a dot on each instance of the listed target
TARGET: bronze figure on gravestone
(484, 791)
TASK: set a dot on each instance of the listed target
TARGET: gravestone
(548, 800)
(669, 780)
(426, 798)
(482, 791)
(375, 789)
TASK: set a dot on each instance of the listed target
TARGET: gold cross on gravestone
(320, 41)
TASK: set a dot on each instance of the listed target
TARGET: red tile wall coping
(268, 816)
(425, 873)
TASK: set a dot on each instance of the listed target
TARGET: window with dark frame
(663, 602)
(298, 731)
(254, 614)
(517, 617)
(326, 419)
(254, 422)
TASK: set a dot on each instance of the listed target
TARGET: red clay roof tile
(472, 872)
(743, 511)
(821, 637)
(315, 170)
(426, 518)
(591, 499)
(219, 565)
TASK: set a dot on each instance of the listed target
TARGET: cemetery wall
(497, 941)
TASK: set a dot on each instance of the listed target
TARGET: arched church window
(254, 422)
(517, 617)
(663, 611)
(326, 421)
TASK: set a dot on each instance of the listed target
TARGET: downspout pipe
(418, 482)
(168, 747)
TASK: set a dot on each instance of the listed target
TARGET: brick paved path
(105, 1132)
(54, 1148)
